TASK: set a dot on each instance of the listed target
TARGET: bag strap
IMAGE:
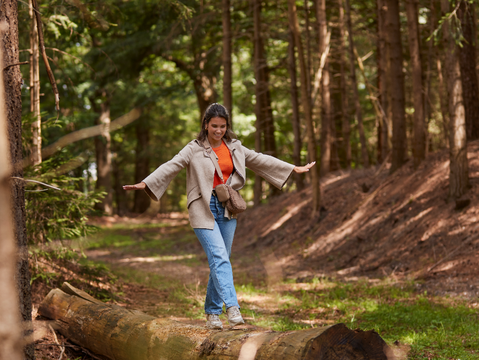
(213, 158)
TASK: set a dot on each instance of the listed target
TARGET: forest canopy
(350, 83)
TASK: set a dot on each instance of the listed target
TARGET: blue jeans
(217, 245)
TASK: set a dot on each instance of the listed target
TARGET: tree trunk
(307, 39)
(205, 91)
(120, 194)
(396, 83)
(298, 178)
(419, 147)
(458, 167)
(306, 101)
(383, 55)
(10, 330)
(142, 164)
(264, 111)
(443, 97)
(14, 302)
(428, 97)
(227, 68)
(117, 333)
(103, 159)
(467, 61)
(354, 84)
(346, 127)
(36, 148)
(257, 46)
(325, 89)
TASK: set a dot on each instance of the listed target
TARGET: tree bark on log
(116, 333)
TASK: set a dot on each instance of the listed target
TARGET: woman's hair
(216, 110)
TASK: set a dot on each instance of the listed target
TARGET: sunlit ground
(422, 325)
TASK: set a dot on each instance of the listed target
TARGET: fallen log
(113, 332)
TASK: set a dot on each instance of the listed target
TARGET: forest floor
(388, 252)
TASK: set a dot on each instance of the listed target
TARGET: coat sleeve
(158, 181)
(273, 170)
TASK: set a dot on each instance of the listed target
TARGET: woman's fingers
(139, 186)
(305, 168)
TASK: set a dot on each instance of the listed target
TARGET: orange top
(225, 162)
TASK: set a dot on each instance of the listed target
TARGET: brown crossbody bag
(225, 193)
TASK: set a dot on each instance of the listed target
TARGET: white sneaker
(234, 316)
(213, 321)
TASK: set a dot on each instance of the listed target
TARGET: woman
(213, 224)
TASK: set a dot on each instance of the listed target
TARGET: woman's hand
(139, 186)
(303, 169)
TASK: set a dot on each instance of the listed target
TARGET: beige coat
(200, 172)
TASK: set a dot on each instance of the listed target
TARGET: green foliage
(56, 214)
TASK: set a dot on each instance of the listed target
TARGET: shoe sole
(214, 327)
(234, 323)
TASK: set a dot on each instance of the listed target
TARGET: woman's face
(216, 129)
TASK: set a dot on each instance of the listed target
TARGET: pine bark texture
(354, 85)
(227, 67)
(458, 166)
(468, 64)
(103, 159)
(10, 333)
(13, 302)
(295, 119)
(306, 102)
(117, 333)
(396, 83)
(419, 147)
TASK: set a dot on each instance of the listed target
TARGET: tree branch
(87, 133)
(51, 77)
(20, 63)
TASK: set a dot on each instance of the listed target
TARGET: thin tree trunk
(258, 46)
(383, 55)
(458, 166)
(346, 127)
(357, 105)
(298, 178)
(442, 91)
(419, 148)
(380, 124)
(306, 101)
(263, 97)
(142, 164)
(396, 83)
(468, 63)
(307, 33)
(324, 40)
(428, 98)
(117, 170)
(15, 302)
(227, 68)
(36, 148)
(103, 159)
